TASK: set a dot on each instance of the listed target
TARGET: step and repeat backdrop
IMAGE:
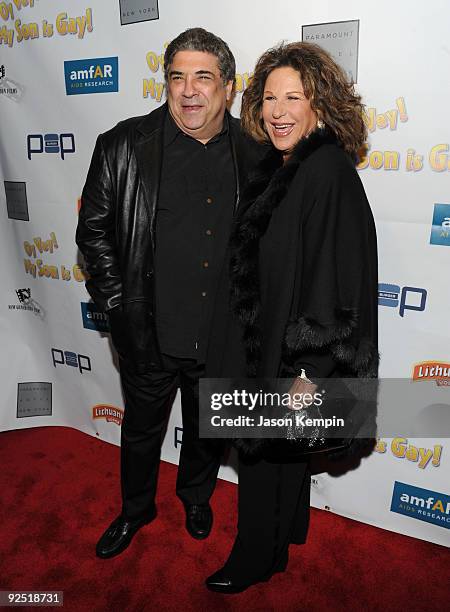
(70, 70)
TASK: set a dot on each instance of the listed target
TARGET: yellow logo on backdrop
(388, 160)
(151, 87)
(64, 24)
(74, 25)
(438, 156)
(38, 268)
(388, 118)
(401, 449)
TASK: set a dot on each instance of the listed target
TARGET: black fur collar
(272, 162)
(266, 188)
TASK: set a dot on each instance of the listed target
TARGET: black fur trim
(304, 333)
(361, 361)
(367, 359)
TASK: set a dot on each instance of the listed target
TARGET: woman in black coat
(302, 280)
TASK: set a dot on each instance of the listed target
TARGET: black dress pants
(148, 399)
(273, 507)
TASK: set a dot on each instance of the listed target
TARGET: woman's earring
(320, 124)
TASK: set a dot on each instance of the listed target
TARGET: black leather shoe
(221, 583)
(199, 519)
(119, 535)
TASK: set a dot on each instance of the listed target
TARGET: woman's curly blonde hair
(331, 95)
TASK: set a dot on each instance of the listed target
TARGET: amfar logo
(340, 39)
(50, 143)
(393, 296)
(86, 76)
(421, 504)
(132, 11)
(440, 230)
(94, 318)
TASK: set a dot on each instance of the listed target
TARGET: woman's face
(286, 112)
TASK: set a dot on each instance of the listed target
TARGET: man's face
(197, 96)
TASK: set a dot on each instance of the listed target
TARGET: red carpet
(60, 491)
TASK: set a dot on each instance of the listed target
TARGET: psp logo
(96, 75)
(406, 298)
(68, 358)
(50, 143)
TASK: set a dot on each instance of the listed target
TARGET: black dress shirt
(193, 221)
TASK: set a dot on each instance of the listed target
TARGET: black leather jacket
(117, 223)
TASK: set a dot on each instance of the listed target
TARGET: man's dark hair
(198, 39)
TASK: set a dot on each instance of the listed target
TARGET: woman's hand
(302, 392)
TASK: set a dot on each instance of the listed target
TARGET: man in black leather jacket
(156, 212)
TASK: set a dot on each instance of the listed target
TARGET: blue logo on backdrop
(94, 318)
(50, 143)
(440, 231)
(96, 75)
(421, 504)
(74, 360)
(395, 296)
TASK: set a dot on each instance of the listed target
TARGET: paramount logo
(110, 413)
(340, 39)
(433, 370)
